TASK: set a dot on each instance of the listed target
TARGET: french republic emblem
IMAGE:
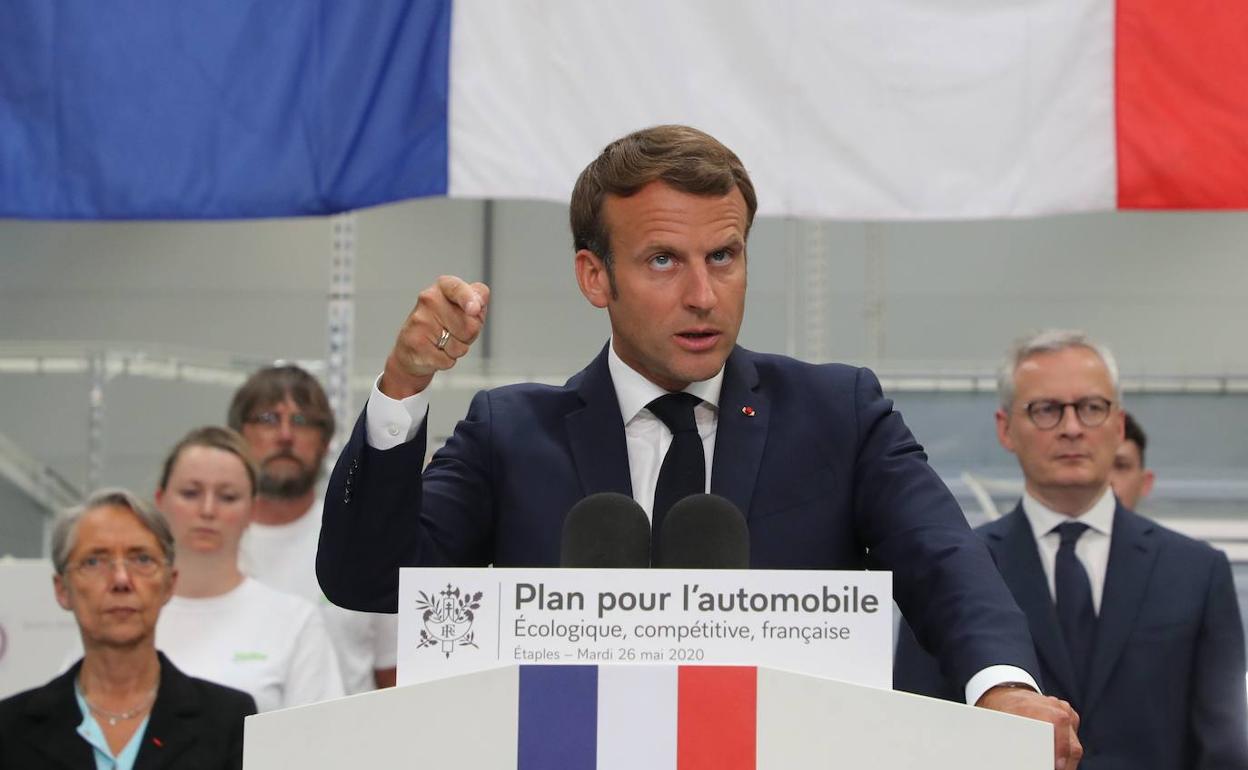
(448, 616)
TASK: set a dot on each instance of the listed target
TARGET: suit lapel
(53, 717)
(596, 433)
(741, 433)
(600, 450)
(1019, 563)
(1132, 554)
(172, 728)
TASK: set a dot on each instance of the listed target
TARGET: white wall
(1169, 292)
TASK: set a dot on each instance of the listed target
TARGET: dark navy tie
(683, 472)
(1074, 600)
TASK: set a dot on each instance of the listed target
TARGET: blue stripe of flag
(252, 108)
(558, 718)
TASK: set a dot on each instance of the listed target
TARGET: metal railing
(38, 481)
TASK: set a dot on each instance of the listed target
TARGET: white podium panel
(660, 718)
(465, 722)
(846, 725)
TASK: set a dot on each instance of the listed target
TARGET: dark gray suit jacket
(1165, 687)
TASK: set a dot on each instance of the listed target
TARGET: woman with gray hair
(123, 703)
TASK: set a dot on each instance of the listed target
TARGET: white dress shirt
(1091, 549)
(648, 438)
(390, 423)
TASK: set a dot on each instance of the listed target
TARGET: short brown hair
(271, 385)
(1133, 432)
(689, 160)
(213, 437)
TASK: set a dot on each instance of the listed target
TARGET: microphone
(704, 532)
(606, 529)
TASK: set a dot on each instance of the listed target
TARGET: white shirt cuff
(994, 675)
(389, 422)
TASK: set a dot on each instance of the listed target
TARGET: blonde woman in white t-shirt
(221, 625)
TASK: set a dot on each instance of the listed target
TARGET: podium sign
(834, 624)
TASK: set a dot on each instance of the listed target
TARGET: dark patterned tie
(1074, 601)
(683, 472)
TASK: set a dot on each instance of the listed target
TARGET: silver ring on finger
(443, 338)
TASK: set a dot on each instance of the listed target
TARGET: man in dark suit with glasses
(1135, 625)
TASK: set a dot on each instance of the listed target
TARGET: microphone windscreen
(606, 529)
(704, 532)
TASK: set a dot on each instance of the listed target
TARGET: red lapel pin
(748, 411)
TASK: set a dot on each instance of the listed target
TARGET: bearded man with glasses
(285, 417)
(1135, 625)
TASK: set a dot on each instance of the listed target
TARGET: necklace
(114, 717)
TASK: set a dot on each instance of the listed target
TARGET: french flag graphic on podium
(657, 717)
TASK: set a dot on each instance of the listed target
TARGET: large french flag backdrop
(889, 109)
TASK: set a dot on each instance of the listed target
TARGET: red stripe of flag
(1182, 103)
(716, 717)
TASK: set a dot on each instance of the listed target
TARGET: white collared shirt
(1092, 548)
(648, 438)
(390, 423)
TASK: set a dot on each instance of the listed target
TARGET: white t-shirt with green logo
(255, 639)
(284, 556)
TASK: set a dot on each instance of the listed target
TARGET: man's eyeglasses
(273, 421)
(1091, 411)
(139, 563)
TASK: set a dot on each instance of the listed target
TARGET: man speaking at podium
(825, 471)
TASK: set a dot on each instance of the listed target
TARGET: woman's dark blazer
(194, 725)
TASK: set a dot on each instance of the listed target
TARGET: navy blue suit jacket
(1165, 687)
(826, 472)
